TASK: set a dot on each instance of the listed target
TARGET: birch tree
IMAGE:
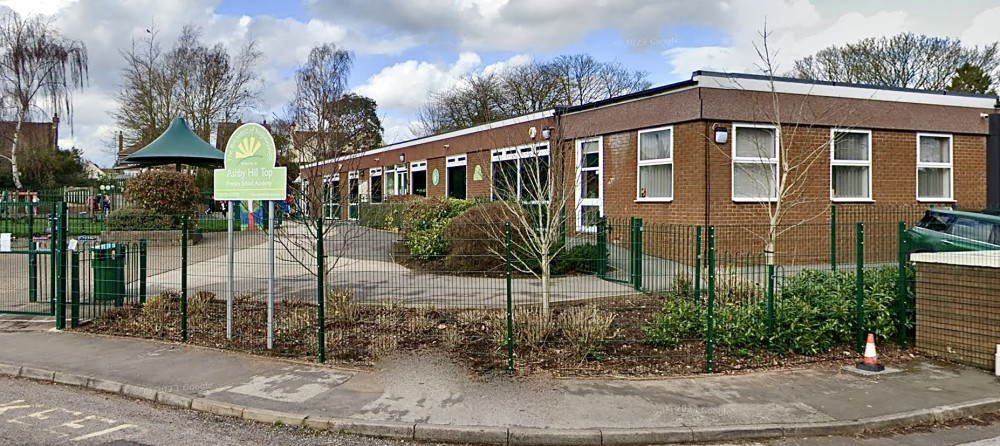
(39, 68)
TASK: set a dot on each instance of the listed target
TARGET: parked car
(945, 230)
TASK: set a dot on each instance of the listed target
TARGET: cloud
(984, 28)
(406, 86)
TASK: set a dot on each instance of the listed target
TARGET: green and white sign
(249, 172)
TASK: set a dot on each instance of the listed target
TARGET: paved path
(365, 266)
(429, 397)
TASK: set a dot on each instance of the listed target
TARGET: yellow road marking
(103, 432)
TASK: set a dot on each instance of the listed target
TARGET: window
(850, 165)
(656, 165)
(934, 178)
(395, 180)
(376, 184)
(589, 183)
(353, 194)
(456, 176)
(418, 177)
(521, 173)
(331, 196)
(755, 162)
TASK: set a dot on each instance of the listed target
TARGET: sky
(407, 50)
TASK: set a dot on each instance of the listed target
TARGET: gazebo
(177, 145)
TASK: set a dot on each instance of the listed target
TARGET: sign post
(249, 173)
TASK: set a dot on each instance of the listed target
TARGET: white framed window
(755, 162)
(375, 174)
(655, 171)
(850, 165)
(354, 191)
(396, 180)
(455, 173)
(418, 178)
(934, 167)
(589, 183)
(521, 173)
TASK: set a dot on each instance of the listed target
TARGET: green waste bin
(109, 272)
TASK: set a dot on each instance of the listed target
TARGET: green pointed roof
(177, 145)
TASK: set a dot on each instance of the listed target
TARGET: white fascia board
(414, 142)
(736, 82)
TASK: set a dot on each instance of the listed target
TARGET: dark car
(944, 230)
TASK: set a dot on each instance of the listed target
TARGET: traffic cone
(870, 361)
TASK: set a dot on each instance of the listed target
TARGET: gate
(28, 260)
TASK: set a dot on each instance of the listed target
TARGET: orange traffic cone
(870, 361)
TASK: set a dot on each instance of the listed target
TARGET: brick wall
(958, 313)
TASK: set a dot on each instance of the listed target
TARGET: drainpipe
(708, 164)
(993, 161)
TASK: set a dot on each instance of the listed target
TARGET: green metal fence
(633, 297)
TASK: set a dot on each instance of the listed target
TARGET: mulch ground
(359, 335)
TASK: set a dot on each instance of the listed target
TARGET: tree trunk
(13, 153)
(546, 284)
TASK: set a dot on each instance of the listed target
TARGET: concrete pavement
(425, 397)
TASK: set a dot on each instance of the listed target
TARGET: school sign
(249, 172)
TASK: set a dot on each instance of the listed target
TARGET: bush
(680, 319)
(423, 222)
(476, 238)
(134, 218)
(580, 258)
(585, 329)
(164, 192)
(378, 216)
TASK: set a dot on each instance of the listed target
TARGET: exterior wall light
(547, 133)
(721, 135)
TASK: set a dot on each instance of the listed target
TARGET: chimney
(121, 141)
(55, 131)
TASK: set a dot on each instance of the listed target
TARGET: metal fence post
(510, 301)
(143, 270)
(710, 342)
(833, 238)
(74, 289)
(59, 245)
(859, 288)
(901, 285)
(770, 304)
(320, 294)
(602, 247)
(184, 276)
(636, 251)
(697, 265)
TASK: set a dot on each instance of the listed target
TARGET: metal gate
(28, 260)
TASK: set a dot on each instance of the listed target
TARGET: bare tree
(904, 60)
(330, 125)
(37, 64)
(482, 98)
(201, 82)
(781, 185)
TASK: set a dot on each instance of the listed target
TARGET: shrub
(339, 305)
(134, 218)
(164, 192)
(580, 258)
(531, 327)
(679, 319)
(379, 216)
(423, 222)
(198, 308)
(586, 328)
(155, 314)
(476, 237)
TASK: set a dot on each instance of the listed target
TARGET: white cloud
(31, 7)
(406, 86)
(984, 28)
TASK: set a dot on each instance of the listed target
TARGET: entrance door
(589, 184)
(456, 176)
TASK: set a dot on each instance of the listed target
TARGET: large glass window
(934, 176)
(331, 196)
(456, 176)
(755, 162)
(353, 195)
(656, 165)
(850, 165)
(521, 173)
